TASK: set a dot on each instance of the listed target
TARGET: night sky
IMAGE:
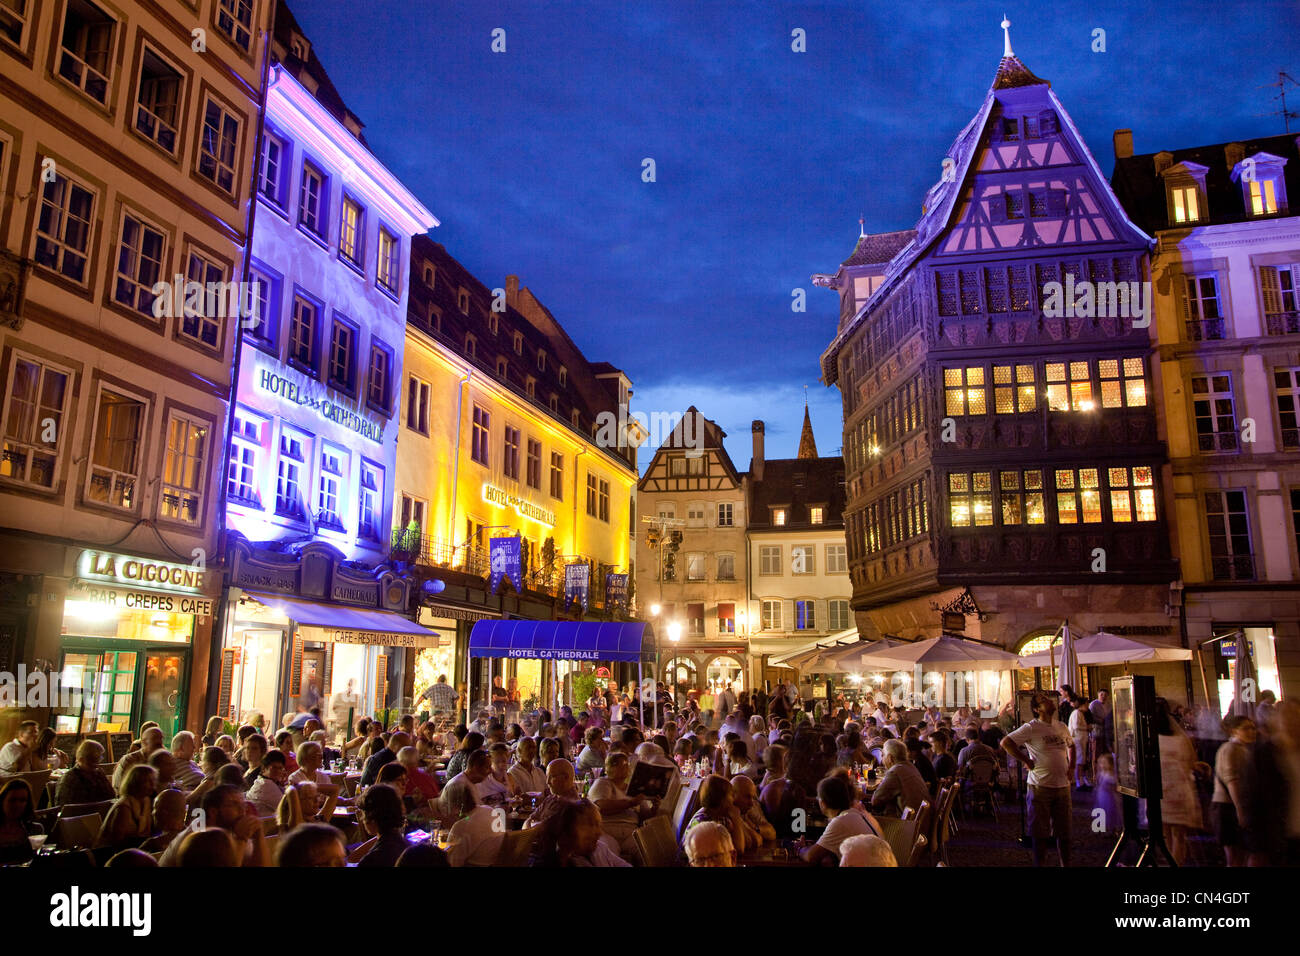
(532, 159)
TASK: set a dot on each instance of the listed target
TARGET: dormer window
(778, 517)
(300, 47)
(1185, 192)
(428, 275)
(1263, 185)
(574, 419)
(502, 372)
(519, 344)
(492, 323)
(564, 376)
(530, 387)
(555, 404)
(541, 361)
(462, 300)
(471, 346)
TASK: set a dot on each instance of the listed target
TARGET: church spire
(807, 445)
(1006, 36)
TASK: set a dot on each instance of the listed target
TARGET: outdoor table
(769, 855)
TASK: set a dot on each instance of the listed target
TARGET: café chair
(36, 779)
(655, 842)
(77, 832)
(687, 803)
(517, 847)
(81, 809)
(361, 849)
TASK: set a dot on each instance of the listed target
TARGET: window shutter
(1189, 290)
(788, 621)
(1271, 287)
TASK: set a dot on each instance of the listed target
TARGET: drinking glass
(37, 840)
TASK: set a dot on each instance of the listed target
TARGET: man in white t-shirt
(1079, 732)
(1050, 759)
(835, 796)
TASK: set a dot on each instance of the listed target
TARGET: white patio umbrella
(1069, 672)
(846, 660)
(941, 654)
(1106, 648)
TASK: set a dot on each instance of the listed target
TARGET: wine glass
(37, 840)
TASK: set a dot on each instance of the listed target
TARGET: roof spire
(862, 234)
(1006, 36)
(807, 445)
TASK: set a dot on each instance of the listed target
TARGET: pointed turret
(807, 445)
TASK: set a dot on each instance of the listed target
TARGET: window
(677, 466)
(534, 472)
(1201, 313)
(564, 376)
(591, 494)
(413, 510)
(727, 618)
(964, 391)
(1231, 555)
(1010, 129)
(726, 567)
(1022, 497)
(836, 559)
(695, 570)
(541, 361)
(1132, 494)
(666, 509)
(502, 369)
(769, 559)
(575, 419)
(1286, 385)
(33, 421)
(519, 344)
(63, 231)
(343, 355)
(1077, 496)
(204, 326)
(805, 615)
(86, 54)
(377, 393)
(778, 516)
(417, 405)
(217, 146)
(1013, 389)
(1261, 196)
(245, 452)
(803, 559)
(771, 615)
(1015, 200)
(695, 464)
(604, 500)
(115, 450)
(1122, 383)
(235, 20)
(726, 514)
(158, 100)
(837, 615)
(372, 501)
(1069, 387)
(816, 515)
(333, 468)
(387, 269)
(510, 455)
(292, 462)
(695, 514)
(139, 264)
(1186, 203)
(555, 404)
(302, 335)
(462, 301)
(266, 330)
(695, 619)
(494, 325)
(273, 183)
(352, 232)
(1212, 406)
(1278, 285)
(970, 499)
(478, 444)
(530, 387)
(13, 20)
(557, 475)
(182, 489)
(311, 200)
(471, 346)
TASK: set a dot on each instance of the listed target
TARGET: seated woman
(226, 744)
(381, 813)
(212, 731)
(736, 759)
(572, 837)
(499, 786)
(130, 820)
(311, 757)
(473, 741)
(426, 744)
(717, 805)
(45, 756)
(284, 743)
(620, 814)
(85, 782)
(303, 803)
(17, 821)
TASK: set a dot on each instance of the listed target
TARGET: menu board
(68, 743)
(119, 745)
(226, 684)
(1127, 749)
(295, 672)
(381, 682)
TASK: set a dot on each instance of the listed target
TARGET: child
(1107, 796)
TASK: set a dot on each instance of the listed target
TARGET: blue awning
(560, 640)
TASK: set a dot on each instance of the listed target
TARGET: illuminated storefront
(130, 627)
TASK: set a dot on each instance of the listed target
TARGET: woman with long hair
(17, 821)
(1180, 805)
(473, 741)
(214, 729)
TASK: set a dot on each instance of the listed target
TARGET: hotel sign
(503, 499)
(300, 393)
(120, 569)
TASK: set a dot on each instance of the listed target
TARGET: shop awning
(349, 624)
(561, 640)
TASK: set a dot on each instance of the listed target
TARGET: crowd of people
(819, 780)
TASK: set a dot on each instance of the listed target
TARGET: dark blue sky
(765, 157)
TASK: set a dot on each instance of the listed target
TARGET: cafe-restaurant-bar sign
(122, 569)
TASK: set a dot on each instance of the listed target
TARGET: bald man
(169, 816)
(561, 788)
(744, 794)
(709, 844)
(150, 740)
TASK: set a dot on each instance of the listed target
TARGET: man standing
(1050, 759)
(441, 696)
(16, 756)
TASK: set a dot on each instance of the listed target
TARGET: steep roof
(878, 248)
(694, 421)
(1141, 190)
(797, 484)
(807, 443)
(326, 92)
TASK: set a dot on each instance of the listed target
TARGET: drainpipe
(221, 618)
(455, 472)
(573, 549)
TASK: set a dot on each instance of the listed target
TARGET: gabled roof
(326, 93)
(1141, 189)
(942, 201)
(694, 420)
(877, 249)
(796, 484)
